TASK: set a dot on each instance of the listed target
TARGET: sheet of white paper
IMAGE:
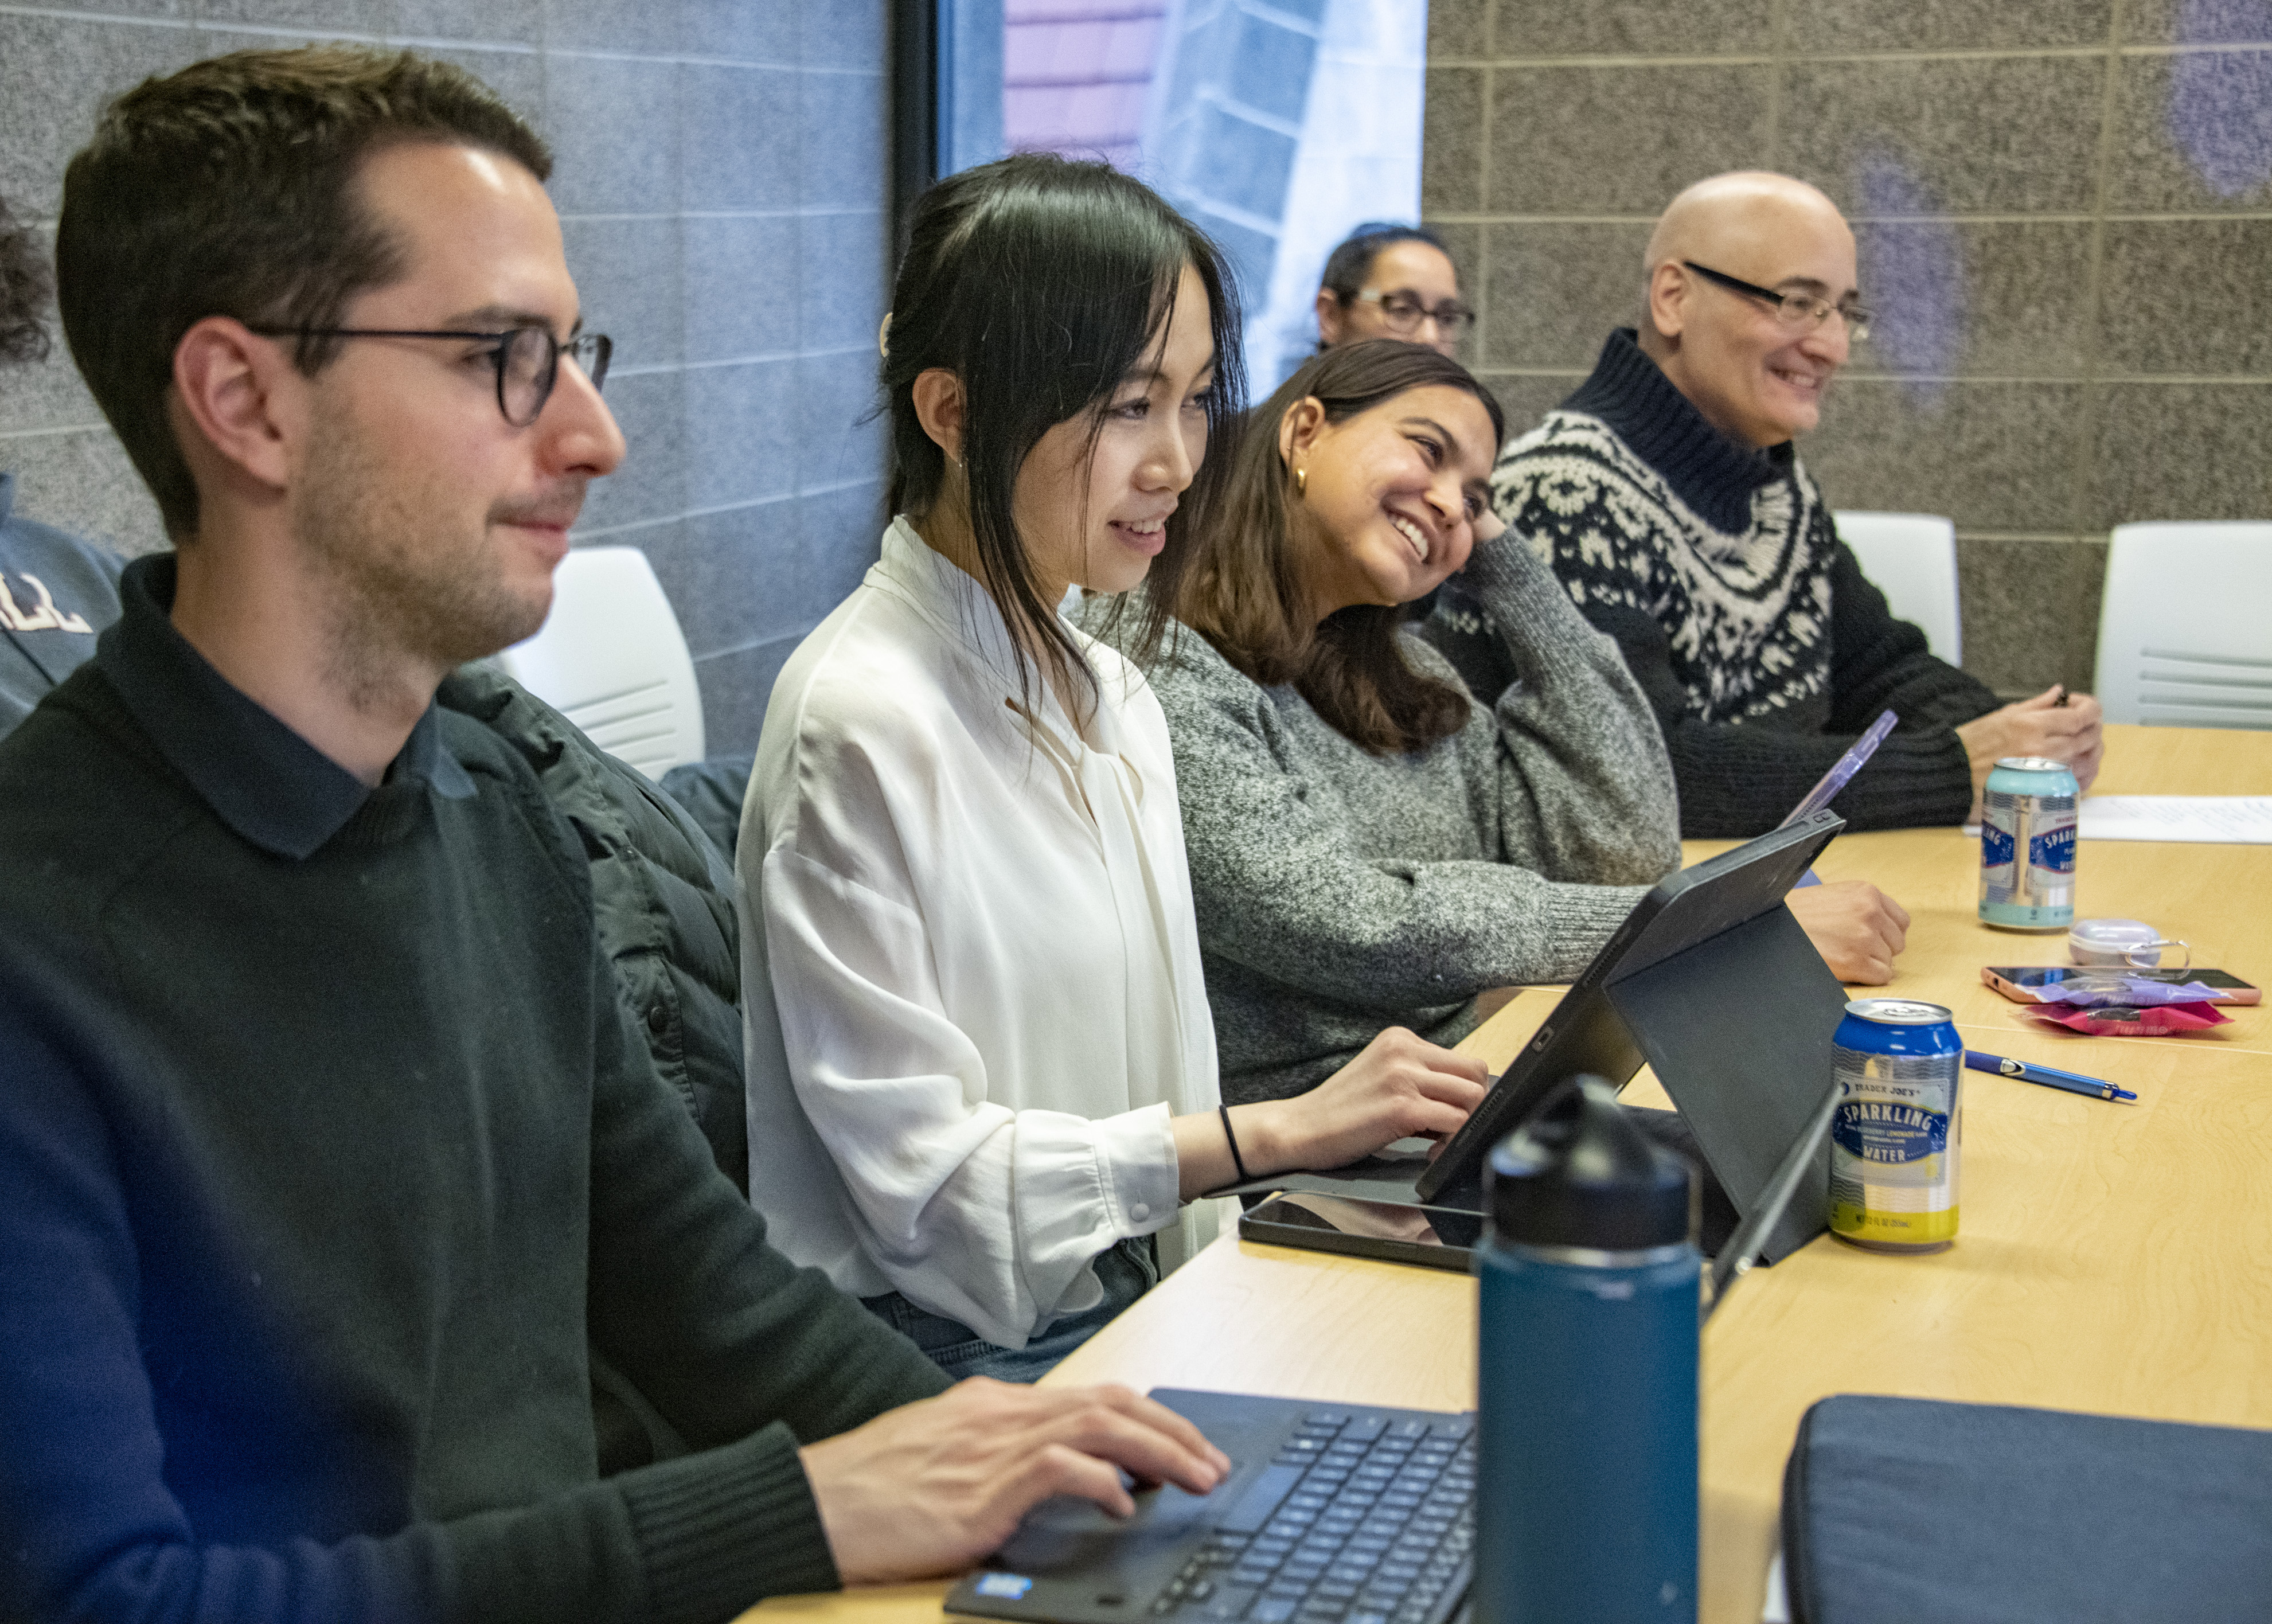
(1778, 1608)
(2215, 820)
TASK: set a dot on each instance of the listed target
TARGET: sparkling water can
(2027, 845)
(1894, 1142)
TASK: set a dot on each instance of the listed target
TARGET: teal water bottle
(1586, 1373)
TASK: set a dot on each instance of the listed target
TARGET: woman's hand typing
(1400, 1086)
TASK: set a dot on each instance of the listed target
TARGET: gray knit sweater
(1340, 893)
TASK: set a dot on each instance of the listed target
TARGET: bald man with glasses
(1668, 493)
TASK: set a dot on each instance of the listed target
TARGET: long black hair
(1244, 591)
(1040, 282)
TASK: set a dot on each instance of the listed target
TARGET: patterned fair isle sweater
(1762, 646)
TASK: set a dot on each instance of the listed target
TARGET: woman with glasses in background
(982, 1067)
(1392, 281)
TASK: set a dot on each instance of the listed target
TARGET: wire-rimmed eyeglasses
(527, 359)
(1795, 310)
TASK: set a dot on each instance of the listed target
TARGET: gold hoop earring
(1301, 481)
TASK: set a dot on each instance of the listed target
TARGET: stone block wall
(722, 178)
(2064, 210)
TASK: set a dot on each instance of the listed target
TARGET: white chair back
(2184, 630)
(612, 658)
(1911, 557)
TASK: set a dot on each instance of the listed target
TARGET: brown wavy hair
(1243, 590)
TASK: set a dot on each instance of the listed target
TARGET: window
(1276, 127)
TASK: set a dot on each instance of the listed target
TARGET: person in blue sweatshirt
(57, 592)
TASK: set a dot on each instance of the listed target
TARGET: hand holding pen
(2056, 724)
(2050, 1076)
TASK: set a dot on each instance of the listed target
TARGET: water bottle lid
(1578, 1173)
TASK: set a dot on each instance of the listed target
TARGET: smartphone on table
(2020, 983)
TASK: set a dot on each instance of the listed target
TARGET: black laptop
(1331, 1514)
(1711, 982)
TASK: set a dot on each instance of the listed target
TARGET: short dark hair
(1244, 591)
(25, 287)
(228, 189)
(1040, 282)
(1351, 263)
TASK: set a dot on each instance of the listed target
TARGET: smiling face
(1097, 518)
(439, 523)
(1756, 379)
(1393, 497)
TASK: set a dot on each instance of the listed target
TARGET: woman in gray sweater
(1369, 847)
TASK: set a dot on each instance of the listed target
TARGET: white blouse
(970, 965)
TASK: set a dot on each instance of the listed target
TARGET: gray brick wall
(722, 184)
(2065, 216)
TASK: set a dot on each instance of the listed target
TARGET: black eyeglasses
(527, 359)
(1796, 310)
(1401, 313)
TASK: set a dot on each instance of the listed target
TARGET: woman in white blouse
(982, 1067)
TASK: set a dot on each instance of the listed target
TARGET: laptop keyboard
(1358, 1520)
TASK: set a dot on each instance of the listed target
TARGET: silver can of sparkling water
(2027, 845)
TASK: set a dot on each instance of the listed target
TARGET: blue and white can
(1899, 1129)
(2027, 845)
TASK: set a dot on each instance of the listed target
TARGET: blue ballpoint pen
(2050, 1076)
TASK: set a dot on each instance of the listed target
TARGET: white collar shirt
(971, 966)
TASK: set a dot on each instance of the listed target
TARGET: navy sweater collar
(264, 780)
(1711, 474)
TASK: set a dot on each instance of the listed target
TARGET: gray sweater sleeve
(1585, 788)
(1532, 832)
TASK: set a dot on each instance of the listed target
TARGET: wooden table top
(2112, 1258)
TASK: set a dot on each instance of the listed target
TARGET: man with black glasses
(1667, 495)
(326, 1148)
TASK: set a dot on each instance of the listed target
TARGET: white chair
(612, 658)
(2184, 630)
(1911, 557)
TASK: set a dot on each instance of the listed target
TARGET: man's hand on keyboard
(932, 1486)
